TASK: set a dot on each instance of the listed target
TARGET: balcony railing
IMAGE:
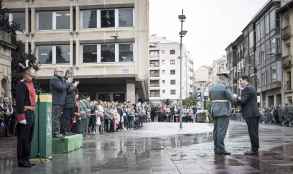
(288, 85)
(287, 64)
(155, 75)
(155, 65)
(154, 85)
(286, 32)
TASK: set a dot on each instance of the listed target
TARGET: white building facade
(202, 80)
(218, 66)
(104, 43)
(164, 82)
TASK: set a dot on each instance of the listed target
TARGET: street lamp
(182, 33)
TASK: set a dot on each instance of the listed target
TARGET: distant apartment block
(164, 67)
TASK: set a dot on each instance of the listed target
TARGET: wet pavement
(161, 148)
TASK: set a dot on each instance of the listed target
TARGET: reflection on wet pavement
(158, 149)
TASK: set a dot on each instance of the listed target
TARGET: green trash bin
(42, 138)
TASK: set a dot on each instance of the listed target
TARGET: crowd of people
(7, 119)
(171, 113)
(96, 117)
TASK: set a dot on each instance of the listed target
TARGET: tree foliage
(18, 54)
(190, 101)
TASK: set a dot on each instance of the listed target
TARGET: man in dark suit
(248, 103)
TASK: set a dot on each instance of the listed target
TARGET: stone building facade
(104, 43)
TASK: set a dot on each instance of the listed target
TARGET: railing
(155, 65)
(154, 85)
(286, 32)
(288, 85)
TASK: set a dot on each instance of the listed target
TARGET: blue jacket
(221, 98)
(58, 89)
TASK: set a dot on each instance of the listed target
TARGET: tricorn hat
(224, 73)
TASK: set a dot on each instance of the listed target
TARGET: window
(163, 91)
(172, 72)
(89, 53)
(273, 19)
(62, 54)
(108, 53)
(89, 19)
(107, 18)
(163, 81)
(172, 51)
(172, 62)
(163, 71)
(48, 20)
(154, 93)
(54, 54)
(274, 72)
(173, 92)
(162, 51)
(172, 82)
(154, 83)
(97, 53)
(45, 20)
(45, 54)
(125, 52)
(62, 20)
(19, 19)
(125, 17)
(154, 53)
(267, 21)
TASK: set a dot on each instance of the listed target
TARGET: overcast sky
(212, 24)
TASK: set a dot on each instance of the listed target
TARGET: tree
(190, 101)
(18, 54)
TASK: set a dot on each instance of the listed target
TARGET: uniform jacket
(221, 98)
(58, 88)
(22, 99)
(248, 102)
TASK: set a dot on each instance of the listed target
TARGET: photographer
(68, 111)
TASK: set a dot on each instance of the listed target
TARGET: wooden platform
(67, 144)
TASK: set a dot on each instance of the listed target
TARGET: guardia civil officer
(221, 98)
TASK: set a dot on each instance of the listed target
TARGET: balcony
(287, 62)
(286, 32)
(154, 83)
(6, 39)
(154, 64)
(155, 93)
(288, 86)
(154, 73)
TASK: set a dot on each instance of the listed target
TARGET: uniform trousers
(220, 129)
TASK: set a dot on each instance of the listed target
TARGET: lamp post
(182, 33)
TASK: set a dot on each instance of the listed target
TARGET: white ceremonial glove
(76, 83)
(23, 122)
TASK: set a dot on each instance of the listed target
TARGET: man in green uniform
(221, 98)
